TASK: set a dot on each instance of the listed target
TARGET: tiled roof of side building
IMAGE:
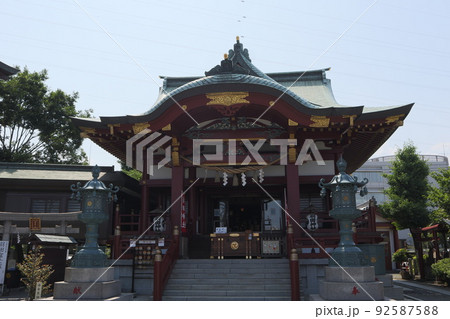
(6, 71)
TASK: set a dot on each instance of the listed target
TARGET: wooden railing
(164, 265)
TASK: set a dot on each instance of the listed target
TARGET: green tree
(35, 125)
(33, 272)
(133, 173)
(408, 189)
(439, 196)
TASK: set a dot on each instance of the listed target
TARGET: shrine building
(244, 147)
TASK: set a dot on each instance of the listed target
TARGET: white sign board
(3, 257)
(38, 292)
(221, 230)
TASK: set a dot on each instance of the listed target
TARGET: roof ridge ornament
(235, 62)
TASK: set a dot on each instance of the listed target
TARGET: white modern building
(374, 169)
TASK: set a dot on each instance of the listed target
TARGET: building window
(73, 205)
(45, 205)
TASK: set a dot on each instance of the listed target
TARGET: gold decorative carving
(319, 121)
(234, 235)
(111, 128)
(139, 127)
(175, 158)
(351, 117)
(85, 131)
(292, 154)
(167, 127)
(175, 152)
(292, 123)
(394, 118)
(234, 245)
(227, 98)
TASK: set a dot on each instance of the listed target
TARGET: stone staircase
(229, 279)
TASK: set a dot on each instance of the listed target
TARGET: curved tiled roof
(228, 79)
(310, 89)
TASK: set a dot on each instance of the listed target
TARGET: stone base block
(385, 279)
(98, 291)
(350, 291)
(360, 274)
(79, 275)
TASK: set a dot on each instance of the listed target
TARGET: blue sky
(398, 52)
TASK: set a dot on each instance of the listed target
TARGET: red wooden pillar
(157, 274)
(293, 196)
(295, 278)
(193, 205)
(193, 212)
(176, 191)
(290, 237)
(145, 193)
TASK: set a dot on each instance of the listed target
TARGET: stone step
(230, 266)
(233, 270)
(229, 279)
(230, 276)
(225, 298)
(219, 281)
(233, 261)
(239, 292)
(251, 286)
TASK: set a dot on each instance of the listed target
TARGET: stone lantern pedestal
(89, 277)
(89, 284)
(347, 277)
(339, 284)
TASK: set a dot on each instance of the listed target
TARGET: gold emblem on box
(234, 245)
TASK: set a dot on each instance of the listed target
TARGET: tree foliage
(440, 196)
(33, 272)
(35, 125)
(133, 173)
(408, 189)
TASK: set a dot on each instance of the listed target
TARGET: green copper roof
(310, 88)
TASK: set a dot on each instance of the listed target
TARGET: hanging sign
(159, 224)
(183, 215)
(3, 258)
(34, 223)
(312, 221)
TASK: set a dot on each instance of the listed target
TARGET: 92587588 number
(407, 310)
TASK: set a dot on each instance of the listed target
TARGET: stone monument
(347, 277)
(89, 277)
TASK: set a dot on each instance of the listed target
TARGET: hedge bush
(441, 270)
(400, 256)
